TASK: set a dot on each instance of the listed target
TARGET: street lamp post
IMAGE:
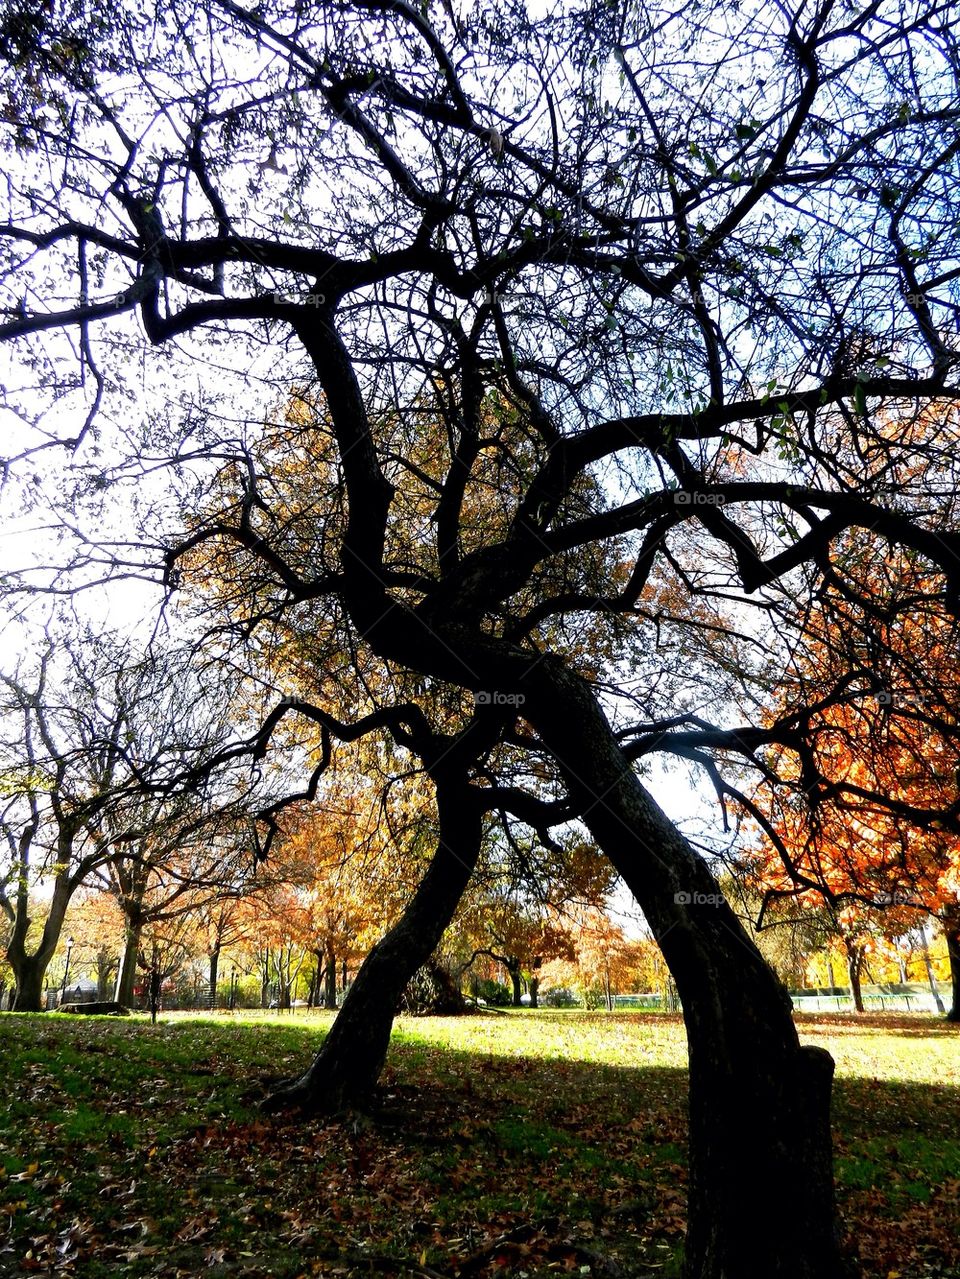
(66, 969)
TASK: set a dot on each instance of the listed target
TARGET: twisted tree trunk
(348, 1065)
(761, 1202)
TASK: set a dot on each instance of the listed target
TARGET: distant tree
(67, 783)
(864, 804)
(187, 859)
(600, 961)
(95, 924)
(521, 908)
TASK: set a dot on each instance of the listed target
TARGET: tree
(521, 908)
(68, 799)
(96, 925)
(96, 766)
(220, 921)
(188, 858)
(521, 940)
(343, 883)
(599, 960)
(951, 929)
(864, 807)
(615, 320)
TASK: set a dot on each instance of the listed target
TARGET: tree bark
(951, 931)
(29, 973)
(29, 970)
(130, 885)
(127, 976)
(513, 968)
(854, 965)
(104, 969)
(330, 980)
(212, 974)
(953, 950)
(534, 986)
(761, 1202)
(265, 986)
(348, 1065)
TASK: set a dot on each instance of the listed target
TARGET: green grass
(535, 1143)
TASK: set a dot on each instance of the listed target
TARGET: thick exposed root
(308, 1096)
(289, 1095)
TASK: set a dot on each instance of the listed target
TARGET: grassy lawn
(521, 1144)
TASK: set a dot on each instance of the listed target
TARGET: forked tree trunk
(349, 1063)
(761, 1202)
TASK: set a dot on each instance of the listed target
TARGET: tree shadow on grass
(477, 1163)
(616, 1137)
